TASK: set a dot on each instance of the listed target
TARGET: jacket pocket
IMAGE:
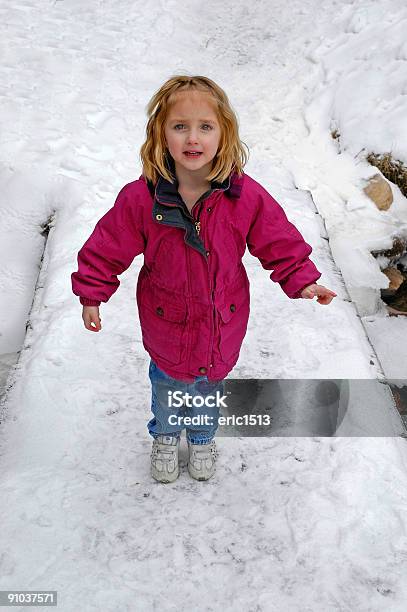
(163, 322)
(233, 312)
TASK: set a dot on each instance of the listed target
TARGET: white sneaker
(202, 460)
(164, 458)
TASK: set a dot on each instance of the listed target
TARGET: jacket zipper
(211, 291)
(201, 199)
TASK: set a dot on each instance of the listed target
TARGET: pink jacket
(193, 290)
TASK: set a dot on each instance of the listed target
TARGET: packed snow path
(302, 524)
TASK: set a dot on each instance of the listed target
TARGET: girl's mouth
(188, 154)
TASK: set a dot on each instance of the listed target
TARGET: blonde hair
(153, 154)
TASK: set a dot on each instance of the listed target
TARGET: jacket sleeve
(115, 241)
(280, 247)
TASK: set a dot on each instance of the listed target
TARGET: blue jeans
(201, 418)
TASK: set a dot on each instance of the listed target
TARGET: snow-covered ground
(300, 523)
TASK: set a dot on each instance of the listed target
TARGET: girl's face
(192, 125)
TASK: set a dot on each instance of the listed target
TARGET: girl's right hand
(90, 314)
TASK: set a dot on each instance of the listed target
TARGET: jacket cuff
(87, 302)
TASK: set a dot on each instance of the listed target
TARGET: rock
(395, 252)
(398, 303)
(379, 191)
(395, 277)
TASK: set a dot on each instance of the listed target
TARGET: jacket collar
(167, 192)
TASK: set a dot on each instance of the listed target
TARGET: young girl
(191, 213)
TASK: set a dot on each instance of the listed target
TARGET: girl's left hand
(325, 296)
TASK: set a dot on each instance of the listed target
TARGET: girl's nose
(192, 138)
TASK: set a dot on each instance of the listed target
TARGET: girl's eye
(181, 124)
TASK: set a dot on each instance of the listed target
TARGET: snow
(297, 522)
